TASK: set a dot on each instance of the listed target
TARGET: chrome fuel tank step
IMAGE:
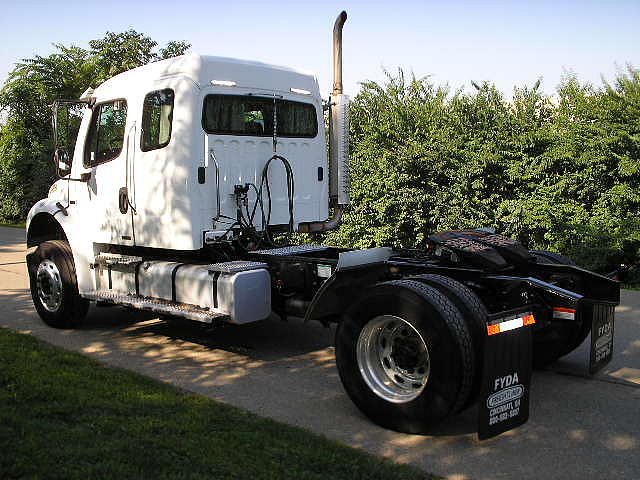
(160, 306)
(240, 290)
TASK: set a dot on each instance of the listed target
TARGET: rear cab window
(253, 115)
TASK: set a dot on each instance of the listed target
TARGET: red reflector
(564, 313)
(528, 320)
(493, 329)
(566, 310)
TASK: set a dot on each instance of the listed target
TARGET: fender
(355, 270)
(54, 218)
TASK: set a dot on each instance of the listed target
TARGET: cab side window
(157, 116)
(106, 133)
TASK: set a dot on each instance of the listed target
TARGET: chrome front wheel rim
(393, 358)
(49, 285)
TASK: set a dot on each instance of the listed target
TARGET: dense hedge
(559, 173)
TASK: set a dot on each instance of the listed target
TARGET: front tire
(405, 356)
(54, 286)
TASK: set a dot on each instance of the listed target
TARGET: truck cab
(178, 135)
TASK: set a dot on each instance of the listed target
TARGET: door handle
(212, 156)
(123, 200)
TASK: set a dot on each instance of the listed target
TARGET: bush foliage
(558, 173)
(26, 169)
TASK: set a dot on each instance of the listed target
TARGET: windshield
(250, 115)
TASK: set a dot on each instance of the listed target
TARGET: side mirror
(62, 162)
(65, 122)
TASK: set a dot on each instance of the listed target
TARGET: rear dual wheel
(473, 312)
(405, 356)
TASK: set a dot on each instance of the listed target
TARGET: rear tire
(405, 356)
(54, 287)
(474, 313)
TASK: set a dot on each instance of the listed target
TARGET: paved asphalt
(579, 427)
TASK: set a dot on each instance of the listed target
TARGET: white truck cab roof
(202, 70)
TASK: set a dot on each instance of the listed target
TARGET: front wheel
(54, 287)
(405, 356)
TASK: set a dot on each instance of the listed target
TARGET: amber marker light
(512, 324)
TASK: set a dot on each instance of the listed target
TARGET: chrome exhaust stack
(338, 140)
(337, 53)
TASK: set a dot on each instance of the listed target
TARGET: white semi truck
(186, 171)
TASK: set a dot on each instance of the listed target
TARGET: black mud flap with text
(602, 323)
(506, 379)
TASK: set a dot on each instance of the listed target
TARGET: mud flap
(601, 336)
(506, 379)
(31, 268)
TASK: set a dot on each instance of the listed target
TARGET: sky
(510, 43)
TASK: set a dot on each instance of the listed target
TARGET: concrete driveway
(579, 427)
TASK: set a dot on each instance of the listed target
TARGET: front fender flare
(49, 211)
(56, 223)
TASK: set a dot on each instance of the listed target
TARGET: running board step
(116, 259)
(157, 305)
(235, 266)
(290, 250)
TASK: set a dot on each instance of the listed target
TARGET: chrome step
(235, 266)
(157, 305)
(116, 259)
(290, 250)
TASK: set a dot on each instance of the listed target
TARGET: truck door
(108, 206)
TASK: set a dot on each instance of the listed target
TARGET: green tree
(118, 52)
(26, 170)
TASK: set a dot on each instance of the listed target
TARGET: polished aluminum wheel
(393, 358)
(49, 285)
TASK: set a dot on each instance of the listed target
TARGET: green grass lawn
(66, 416)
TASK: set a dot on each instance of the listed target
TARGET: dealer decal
(505, 384)
(505, 403)
(601, 336)
(506, 395)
